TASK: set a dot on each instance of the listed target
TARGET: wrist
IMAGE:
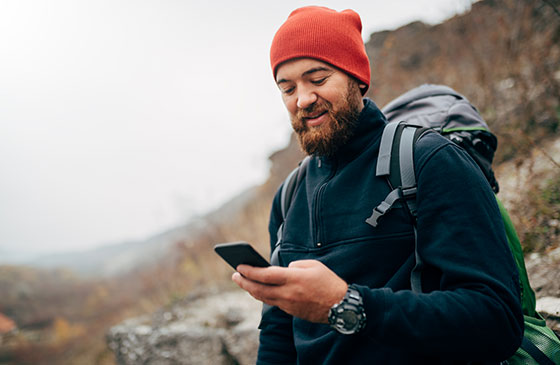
(340, 293)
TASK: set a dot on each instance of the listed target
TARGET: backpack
(429, 109)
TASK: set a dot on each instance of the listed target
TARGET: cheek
(291, 104)
(336, 98)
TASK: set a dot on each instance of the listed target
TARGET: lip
(316, 121)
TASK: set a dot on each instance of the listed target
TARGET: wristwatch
(348, 316)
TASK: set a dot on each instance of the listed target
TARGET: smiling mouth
(315, 120)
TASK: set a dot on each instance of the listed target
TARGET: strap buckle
(384, 206)
(378, 211)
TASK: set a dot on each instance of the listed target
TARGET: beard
(326, 139)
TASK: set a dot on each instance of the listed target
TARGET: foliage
(539, 223)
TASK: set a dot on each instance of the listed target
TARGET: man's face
(324, 104)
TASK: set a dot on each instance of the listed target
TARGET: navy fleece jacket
(469, 310)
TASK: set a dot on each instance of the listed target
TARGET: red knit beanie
(324, 34)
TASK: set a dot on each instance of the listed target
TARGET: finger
(236, 277)
(263, 292)
(272, 275)
(305, 264)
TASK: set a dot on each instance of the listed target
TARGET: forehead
(292, 69)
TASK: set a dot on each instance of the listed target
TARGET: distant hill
(111, 260)
(122, 258)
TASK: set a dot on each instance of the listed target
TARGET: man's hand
(306, 289)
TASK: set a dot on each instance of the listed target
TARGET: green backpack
(439, 108)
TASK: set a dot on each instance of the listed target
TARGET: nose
(306, 97)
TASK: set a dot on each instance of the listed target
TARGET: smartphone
(237, 253)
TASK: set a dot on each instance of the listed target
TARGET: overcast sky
(122, 118)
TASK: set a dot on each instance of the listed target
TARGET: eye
(287, 90)
(318, 81)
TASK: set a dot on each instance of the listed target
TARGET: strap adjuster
(408, 193)
(382, 208)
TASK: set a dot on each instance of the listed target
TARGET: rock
(549, 308)
(215, 328)
(544, 276)
(544, 273)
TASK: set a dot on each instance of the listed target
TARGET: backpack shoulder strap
(287, 194)
(396, 164)
(290, 185)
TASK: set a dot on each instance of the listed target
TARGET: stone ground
(215, 328)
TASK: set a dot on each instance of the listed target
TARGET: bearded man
(342, 294)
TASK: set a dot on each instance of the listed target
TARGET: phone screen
(237, 253)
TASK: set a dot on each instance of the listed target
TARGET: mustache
(318, 107)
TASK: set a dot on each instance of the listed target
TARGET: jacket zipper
(318, 201)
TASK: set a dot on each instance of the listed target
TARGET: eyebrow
(306, 73)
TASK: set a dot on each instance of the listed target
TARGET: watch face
(349, 319)
(346, 321)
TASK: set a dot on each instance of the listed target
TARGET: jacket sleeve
(276, 343)
(474, 311)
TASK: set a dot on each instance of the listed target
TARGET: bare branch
(551, 4)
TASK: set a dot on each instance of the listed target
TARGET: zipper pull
(319, 163)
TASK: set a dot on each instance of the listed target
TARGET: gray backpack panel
(443, 109)
(435, 106)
